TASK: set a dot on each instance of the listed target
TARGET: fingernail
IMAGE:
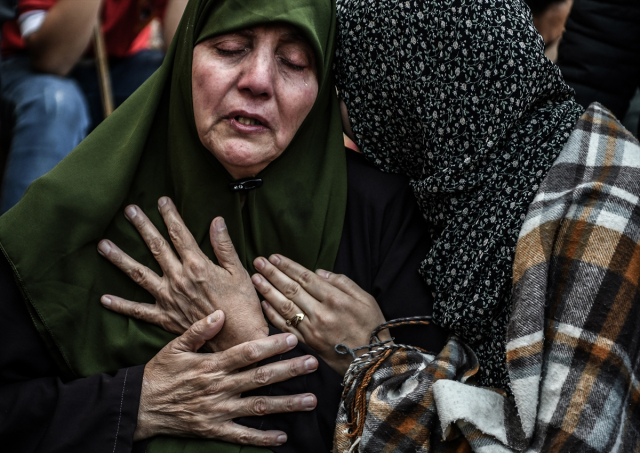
(309, 402)
(105, 301)
(213, 318)
(274, 259)
(221, 225)
(104, 247)
(265, 305)
(260, 263)
(256, 279)
(323, 273)
(162, 201)
(292, 340)
(130, 212)
(311, 364)
(281, 439)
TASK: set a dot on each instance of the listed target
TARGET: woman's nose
(258, 76)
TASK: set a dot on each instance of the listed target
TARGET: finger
(288, 289)
(199, 332)
(248, 353)
(284, 306)
(279, 322)
(223, 246)
(312, 283)
(152, 237)
(263, 405)
(238, 434)
(140, 274)
(273, 372)
(342, 282)
(144, 312)
(180, 235)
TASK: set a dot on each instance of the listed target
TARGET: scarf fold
(150, 148)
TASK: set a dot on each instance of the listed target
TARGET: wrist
(235, 336)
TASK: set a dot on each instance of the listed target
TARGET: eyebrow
(294, 37)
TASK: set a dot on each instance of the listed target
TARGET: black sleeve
(599, 54)
(383, 243)
(40, 411)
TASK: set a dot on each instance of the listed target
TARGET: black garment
(382, 243)
(599, 54)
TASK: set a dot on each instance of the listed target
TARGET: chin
(245, 160)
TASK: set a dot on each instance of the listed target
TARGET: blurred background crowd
(66, 64)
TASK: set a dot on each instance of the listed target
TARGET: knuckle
(140, 222)
(225, 245)
(139, 275)
(262, 376)
(290, 405)
(306, 278)
(203, 429)
(196, 267)
(333, 299)
(250, 352)
(212, 366)
(321, 319)
(259, 406)
(139, 311)
(288, 307)
(156, 245)
(175, 231)
(291, 290)
(243, 438)
(213, 387)
(293, 369)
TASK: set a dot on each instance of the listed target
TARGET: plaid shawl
(573, 341)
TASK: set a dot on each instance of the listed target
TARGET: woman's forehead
(286, 32)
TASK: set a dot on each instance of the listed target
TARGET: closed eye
(293, 66)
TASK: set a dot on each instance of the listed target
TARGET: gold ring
(293, 322)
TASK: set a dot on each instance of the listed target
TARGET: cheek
(298, 106)
(207, 91)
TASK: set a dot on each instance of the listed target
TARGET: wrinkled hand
(192, 285)
(337, 310)
(189, 394)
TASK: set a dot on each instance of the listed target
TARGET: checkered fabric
(573, 341)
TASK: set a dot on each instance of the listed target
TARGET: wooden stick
(102, 66)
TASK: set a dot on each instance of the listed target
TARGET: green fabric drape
(147, 149)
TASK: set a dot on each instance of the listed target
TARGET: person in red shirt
(49, 81)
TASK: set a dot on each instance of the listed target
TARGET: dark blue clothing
(49, 115)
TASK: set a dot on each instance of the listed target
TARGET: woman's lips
(247, 123)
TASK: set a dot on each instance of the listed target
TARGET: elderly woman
(245, 90)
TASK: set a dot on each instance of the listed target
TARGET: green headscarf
(150, 148)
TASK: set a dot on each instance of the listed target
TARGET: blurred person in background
(599, 55)
(549, 18)
(7, 11)
(49, 81)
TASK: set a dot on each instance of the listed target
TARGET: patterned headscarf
(458, 95)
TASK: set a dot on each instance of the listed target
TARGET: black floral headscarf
(458, 95)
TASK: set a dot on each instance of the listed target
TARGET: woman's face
(251, 91)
